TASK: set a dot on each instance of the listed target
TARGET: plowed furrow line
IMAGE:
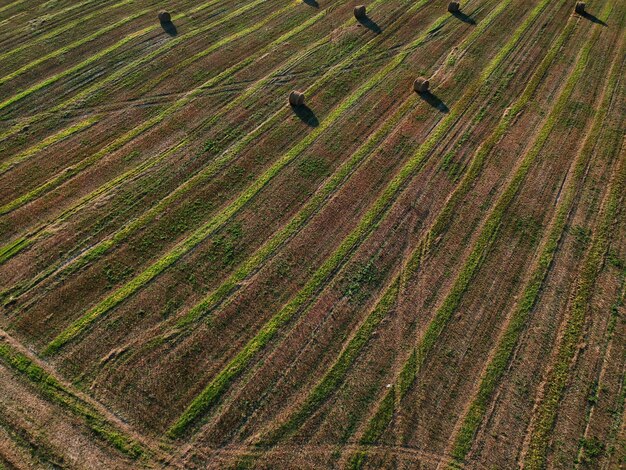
(547, 409)
(484, 242)
(501, 356)
(221, 382)
(203, 232)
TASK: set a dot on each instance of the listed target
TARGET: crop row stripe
(67, 25)
(44, 144)
(218, 385)
(294, 421)
(200, 234)
(490, 228)
(50, 387)
(101, 248)
(531, 293)
(559, 375)
(69, 47)
(142, 59)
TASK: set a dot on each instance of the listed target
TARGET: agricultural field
(195, 273)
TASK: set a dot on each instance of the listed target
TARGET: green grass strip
(69, 47)
(11, 5)
(203, 232)
(198, 179)
(409, 372)
(54, 391)
(555, 386)
(66, 27)
(53, 139)
(7, 251)
(335, 375)
(530, 295)
(218, 385)
(298, 221)
(142, 60)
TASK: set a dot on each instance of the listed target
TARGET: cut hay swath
(532, 291)
(101, 248)
(184, 247)
(218, 385)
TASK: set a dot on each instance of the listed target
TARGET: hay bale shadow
(463, 17)
(169, 28)
(434, 101)
(312, 3)
(306, 115)
(592, 18)
(370, 24)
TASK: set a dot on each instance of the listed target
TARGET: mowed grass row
(255, 262)
(332, 380)
(203, 232)
(197, 180)
(123, 71)
(68, 48)
(532, 291)
(569, 343)
(46, 143)
(54, 391)
(127, 137)
(219, 384)
(210, 170)
(411, 367)
(68, 25)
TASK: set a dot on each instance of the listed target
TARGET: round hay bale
(164, 16)
(454, 7)
(580, 8)
(421, 85)
(296, 98)
(360, 12)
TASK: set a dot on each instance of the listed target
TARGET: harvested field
(420, 265)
